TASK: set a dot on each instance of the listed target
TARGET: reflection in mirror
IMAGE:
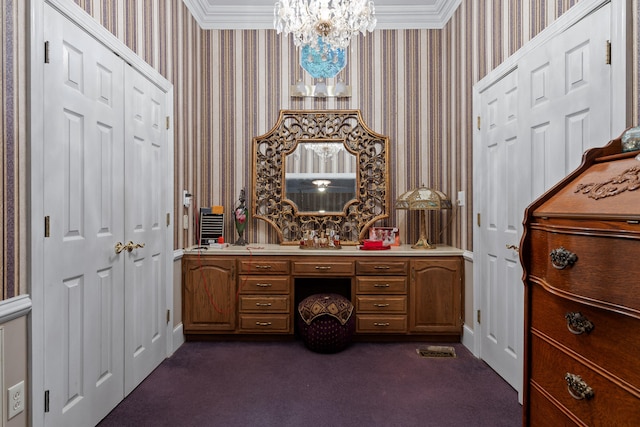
(320, 177)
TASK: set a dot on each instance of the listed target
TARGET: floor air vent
(436, 351)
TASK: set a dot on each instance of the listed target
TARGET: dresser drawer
(544, 412)
(264, 304)
(613, 342)
(601, 271)
(323, 267)
(265, 284)
(264, 266)
(275, 323)
(381, 304)
(381, 285)
(610, 405)
(381, 267)
(381, 324)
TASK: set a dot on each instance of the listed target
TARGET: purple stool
(326, 322)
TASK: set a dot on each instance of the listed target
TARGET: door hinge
(47, 226)
(478, 317)
(46, 401)
(608, 53)
(167, 122)
(168, 219)
(168, 316)
(46, 52)
(478, 122)
(478, 219)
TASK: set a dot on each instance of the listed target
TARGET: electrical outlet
(16, 399)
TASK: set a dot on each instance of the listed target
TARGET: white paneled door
(537, 120)
(105, 150)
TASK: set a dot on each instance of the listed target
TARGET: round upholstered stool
(326, 322)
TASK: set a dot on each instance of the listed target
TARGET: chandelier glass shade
(330, 22)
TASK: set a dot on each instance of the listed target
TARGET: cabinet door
(209, 295)
(436, 295)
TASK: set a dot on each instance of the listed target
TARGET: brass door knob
(129, 246)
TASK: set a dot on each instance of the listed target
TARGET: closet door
(83, 199)
(146, 151)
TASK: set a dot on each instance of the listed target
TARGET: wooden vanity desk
(252, 291)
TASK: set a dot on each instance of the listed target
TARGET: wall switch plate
(461, 198)
(16, 400)
(185, 222)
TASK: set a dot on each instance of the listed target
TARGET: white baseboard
(178, 337)
(468, 339)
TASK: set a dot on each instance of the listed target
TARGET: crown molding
(244, 16)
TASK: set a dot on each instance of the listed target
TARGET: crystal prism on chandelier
(333, 22)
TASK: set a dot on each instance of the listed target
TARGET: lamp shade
(423, 198)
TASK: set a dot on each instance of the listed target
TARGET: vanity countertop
(257, 249)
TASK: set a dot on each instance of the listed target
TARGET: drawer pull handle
(264, 285)
(381, 305)
(323, 267)
(562, 258)
(381, 267)
(263, 304)
(263, 267)
(381, 285)
(382, 324)
(263, 323)
(578, 389)
(578, 324)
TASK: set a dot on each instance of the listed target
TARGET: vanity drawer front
(381, 285)
(381, 324)
(264, 284)
(601, 271)
(610, 405)
(264, 266)
(275, 323)
(264, 304)
(613, 337)
(381, 267)
(322, 267)
(386, 304)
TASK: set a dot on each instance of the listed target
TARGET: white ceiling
(258, 14)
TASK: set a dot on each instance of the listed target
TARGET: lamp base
(423, 243)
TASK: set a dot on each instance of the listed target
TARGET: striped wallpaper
(413, 85)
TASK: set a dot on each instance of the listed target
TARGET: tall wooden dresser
(581, 257)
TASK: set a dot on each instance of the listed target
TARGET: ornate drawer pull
(322, 267)
(263, 323)
(383, 324)
(263, 304)
(578, 324)
(561, 258)
(263, 267)
(381, 267)
(381, 305)
(264, 285)
(577, 388)
(381, 285)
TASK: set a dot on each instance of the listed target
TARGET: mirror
(320, 177)
(320, 170)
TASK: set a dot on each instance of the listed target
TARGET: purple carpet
(285, 384)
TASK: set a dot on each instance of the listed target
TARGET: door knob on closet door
(513, 247)
(130, 246)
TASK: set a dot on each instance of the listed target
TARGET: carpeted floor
(285, 384)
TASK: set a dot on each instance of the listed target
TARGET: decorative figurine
(240, 218)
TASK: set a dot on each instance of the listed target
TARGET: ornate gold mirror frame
(372, 181)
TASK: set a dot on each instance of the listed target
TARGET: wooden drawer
(263, 266)
(381, 285)
(381, 304)
(324, 267)
(381, 267)
(264, 304)
(610, 405)
(265, 323)
(264, 284)
(381, 324)
(613, 342)
(544, 412)
(600, 273)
